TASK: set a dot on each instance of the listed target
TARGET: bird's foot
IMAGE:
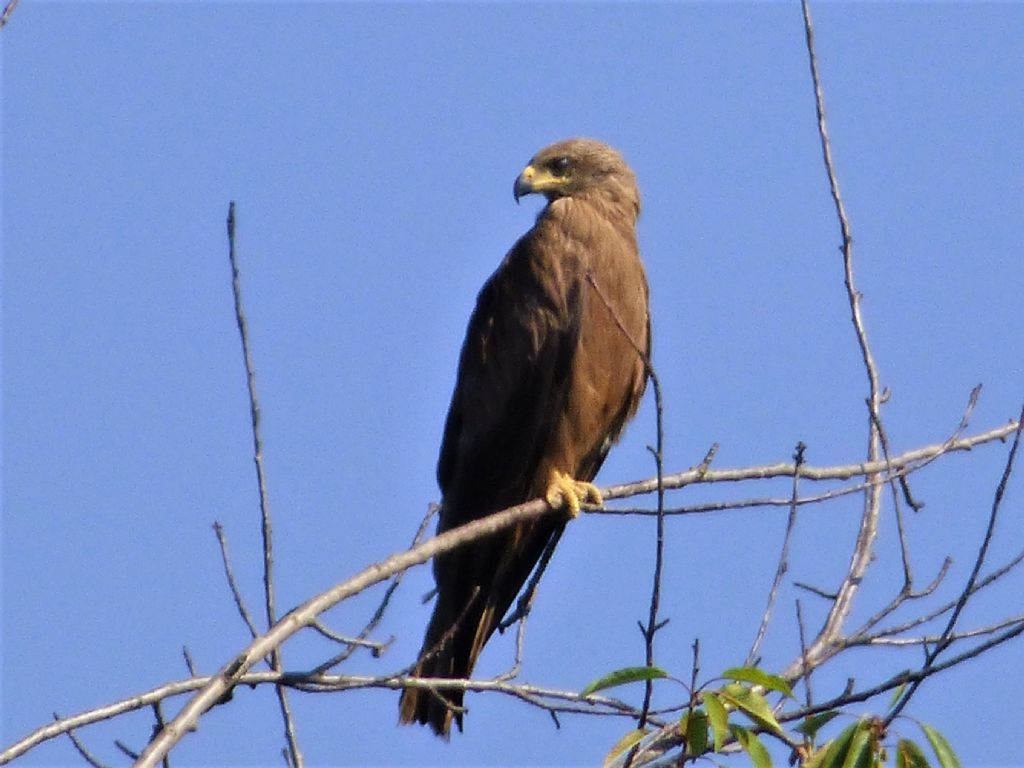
(565, 492)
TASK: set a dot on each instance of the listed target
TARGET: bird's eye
(560, 166)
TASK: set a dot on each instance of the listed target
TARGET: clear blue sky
(371, 150)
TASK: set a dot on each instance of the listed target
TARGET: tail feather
(446, 656)
(475, 589)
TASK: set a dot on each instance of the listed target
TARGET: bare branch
(158, 714)
(81, 749)
(783, 469)
(901, 534)
(517, 660)
(375, 647)
(930, 640)
(127, 751)
(6, 14)
(218, 529)
(903, 678)
(304, 615)
(989, 530)
(658, 451)
(969, 589)
(298, 618)
(804, 669)
(188, 660)
(525, 601)
(360, 639)
(934, 614)
(556, 699)
(902, 597)
(295, 754)
(780, 571)
(669, 736)
(823, 645)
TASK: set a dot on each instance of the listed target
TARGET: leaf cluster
(736, 717)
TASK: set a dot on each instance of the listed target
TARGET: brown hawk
(552, 368)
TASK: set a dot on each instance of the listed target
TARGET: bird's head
(579, 168)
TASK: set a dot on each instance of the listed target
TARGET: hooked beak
(524, 183)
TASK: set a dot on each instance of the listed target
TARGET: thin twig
(525, 601)
(901, 534)
(375, 647)
(861, 558)
(382, 606)
(694, 671)
(780, 571)
(243, 611)
(989, 531)
(80, 747)
(6, 15)
(907, 592)
(934, 614)
(261, 481)
(653, 624)
(812, 473)
(824, 594)
(517, 659)
(903, 596)
(903, 678)
(254, 413)
(127, 751)
(658, 451)
(158, 714)
(753, 503)
(931, 640)
(378, 614)
(946, 638)
(805, 670)
(908, 579)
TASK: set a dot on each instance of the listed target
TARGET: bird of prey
(553, 366)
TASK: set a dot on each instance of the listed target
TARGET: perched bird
(552, 368)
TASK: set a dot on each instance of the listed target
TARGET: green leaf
(752, 746)
(752, 704)
(695, 729)
(859, 754)
(833, 754)
(759, 677)
(623, 676)
(626, 742)
(909, 755)
(943, 751)
(718, 717)
(815, 723)
(897, 692)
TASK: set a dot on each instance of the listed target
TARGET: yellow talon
(563, 491)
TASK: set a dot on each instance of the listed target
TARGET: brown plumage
(549, 375)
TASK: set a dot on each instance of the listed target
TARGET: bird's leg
(563, 491)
